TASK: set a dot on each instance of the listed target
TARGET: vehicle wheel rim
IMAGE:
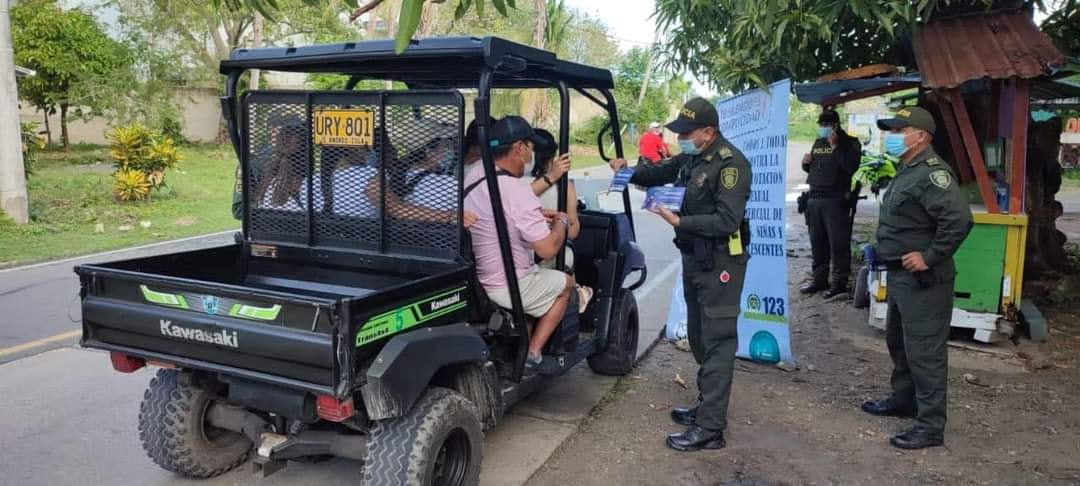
(452, 460)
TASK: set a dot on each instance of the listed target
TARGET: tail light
(124, 363)
(332, 410)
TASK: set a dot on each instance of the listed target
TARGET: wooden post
(1021, 101)
(959, 154)
(993, 120)
(971, 143)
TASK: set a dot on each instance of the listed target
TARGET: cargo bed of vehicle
(275, 320)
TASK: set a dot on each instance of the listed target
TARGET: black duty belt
(894, 265)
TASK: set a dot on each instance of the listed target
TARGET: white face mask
(530, 165)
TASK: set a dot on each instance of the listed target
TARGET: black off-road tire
(861, 290)
(440, 442)
(175, 435)
(618, 357)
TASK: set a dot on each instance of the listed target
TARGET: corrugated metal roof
(996, 45)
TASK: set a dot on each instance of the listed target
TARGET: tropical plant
(31, 143)
(136, 148)
(131, 185)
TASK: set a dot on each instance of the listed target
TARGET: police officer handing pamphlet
(712, 235)
(924, 219)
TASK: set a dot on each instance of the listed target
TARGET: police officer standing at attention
(712, 234)
(832, 161)
(924, 219)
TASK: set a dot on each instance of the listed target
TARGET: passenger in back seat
(284, 183)
(545, 293)
(423, 185)
(545, 173)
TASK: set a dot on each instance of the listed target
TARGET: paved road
(40, 302)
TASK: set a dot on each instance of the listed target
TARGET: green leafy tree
(72, 56)
(663, 92)
(737, 44)
(410, 12)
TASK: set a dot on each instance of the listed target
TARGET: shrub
(135, 148)
(585, 134)
(31, 143)
(131, 185)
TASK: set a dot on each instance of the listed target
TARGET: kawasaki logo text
(221, 338)
(439, 304)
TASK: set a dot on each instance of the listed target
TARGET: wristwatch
(565, 221)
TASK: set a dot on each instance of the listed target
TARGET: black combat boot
(684, 415)
(697, 438)
(917, 437)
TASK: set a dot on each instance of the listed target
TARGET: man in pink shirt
(533, 231)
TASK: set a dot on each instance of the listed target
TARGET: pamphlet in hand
(621, 180)
(668, 197)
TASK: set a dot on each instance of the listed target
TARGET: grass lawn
(71, 195)
(1071, 177)
(586, 156)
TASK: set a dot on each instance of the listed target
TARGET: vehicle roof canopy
(447, 62)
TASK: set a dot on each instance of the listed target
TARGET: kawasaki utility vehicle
(347, 320)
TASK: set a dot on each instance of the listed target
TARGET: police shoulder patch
(941, 178)
(729, 177)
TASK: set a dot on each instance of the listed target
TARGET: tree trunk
(539, 106)
(256, 43)
(48, 130)
(1045, 254)
(63, 125)
(429, 20)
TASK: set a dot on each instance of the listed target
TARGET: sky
(631, 25)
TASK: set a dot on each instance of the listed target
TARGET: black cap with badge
(911, 116)
(696, 113)
(511, 129)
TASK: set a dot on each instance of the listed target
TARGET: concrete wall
(201, 110)
(202, 114)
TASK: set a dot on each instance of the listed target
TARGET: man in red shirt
(651, 145)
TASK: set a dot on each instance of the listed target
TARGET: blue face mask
(894, 144)
(824, 132)
(687, 147)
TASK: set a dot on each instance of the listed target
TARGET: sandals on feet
(585, 295)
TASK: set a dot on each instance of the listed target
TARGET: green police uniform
(238, 195)
(717, 185)
(923, 211)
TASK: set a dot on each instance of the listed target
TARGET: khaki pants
(539, 289)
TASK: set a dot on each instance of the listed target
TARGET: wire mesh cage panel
(372, 171)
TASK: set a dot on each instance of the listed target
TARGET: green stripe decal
(412, 315)
(253, 312)
(162, 298)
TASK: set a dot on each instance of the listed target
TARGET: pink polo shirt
(524, 219)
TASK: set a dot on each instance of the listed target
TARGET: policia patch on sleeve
(941, 178)
(729, 177)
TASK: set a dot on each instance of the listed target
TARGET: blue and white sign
(757, 123)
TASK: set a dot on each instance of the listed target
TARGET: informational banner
(757, 123)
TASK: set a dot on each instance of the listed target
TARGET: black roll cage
(496, 63)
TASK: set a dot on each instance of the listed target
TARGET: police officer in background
(832, 161)
(924, 219)
(712, 235)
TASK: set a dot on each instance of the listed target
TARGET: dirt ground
(1013, 413)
